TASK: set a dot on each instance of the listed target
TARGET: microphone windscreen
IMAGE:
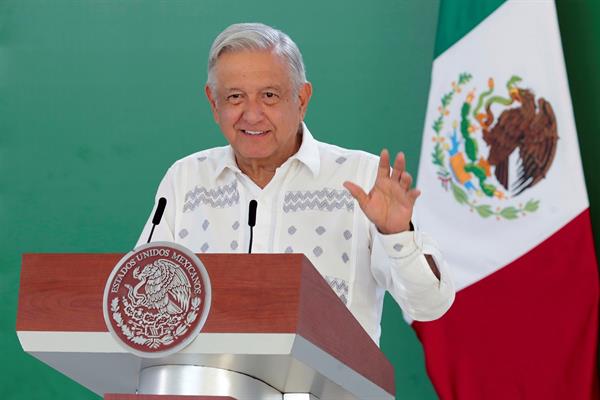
(252, 212)
(160, 209)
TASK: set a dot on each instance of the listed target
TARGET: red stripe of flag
(527, 331)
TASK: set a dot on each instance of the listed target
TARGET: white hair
(256, 36)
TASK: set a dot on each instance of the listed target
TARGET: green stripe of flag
(457, 17)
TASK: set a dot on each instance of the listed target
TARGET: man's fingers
(399, 166)
(357, 192)
(383, 171)
(413, 195)
(405, 180)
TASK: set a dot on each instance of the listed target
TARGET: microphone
(251, 220)
(252, 213)
(160, 209)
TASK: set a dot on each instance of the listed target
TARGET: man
(310, 194)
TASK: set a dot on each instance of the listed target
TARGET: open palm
(389, 204)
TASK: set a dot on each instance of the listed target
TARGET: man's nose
(253, 112)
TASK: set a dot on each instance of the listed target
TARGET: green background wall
(98, 98)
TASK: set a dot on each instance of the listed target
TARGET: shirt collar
(226, 160)
(307, 154)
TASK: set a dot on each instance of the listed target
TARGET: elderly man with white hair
(346, 210)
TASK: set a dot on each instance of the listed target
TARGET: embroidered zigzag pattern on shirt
(324, 200)
(339, 286)
(220, 197)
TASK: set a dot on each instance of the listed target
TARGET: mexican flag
(504, 195)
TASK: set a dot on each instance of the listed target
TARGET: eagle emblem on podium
(157, 299)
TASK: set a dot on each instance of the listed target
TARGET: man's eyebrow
(235, 89)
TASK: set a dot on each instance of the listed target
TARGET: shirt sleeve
(164, 231)
(399, 265)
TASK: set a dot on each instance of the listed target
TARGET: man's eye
(234, 98)
(271, 97)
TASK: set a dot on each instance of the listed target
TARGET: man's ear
(212, 101)
(304, 95)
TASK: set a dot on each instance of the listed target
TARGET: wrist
(408, 228)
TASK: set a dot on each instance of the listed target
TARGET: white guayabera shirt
(305, 209)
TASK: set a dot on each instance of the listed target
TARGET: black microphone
(251, 220)
(160, 209)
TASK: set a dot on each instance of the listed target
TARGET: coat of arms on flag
(496, 147)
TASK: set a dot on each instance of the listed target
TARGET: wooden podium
(273, 321)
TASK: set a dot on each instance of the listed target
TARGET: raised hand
(389, 204)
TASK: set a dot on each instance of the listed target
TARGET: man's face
(256, 107)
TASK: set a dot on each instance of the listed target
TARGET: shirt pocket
(210, 221)
(319, 224)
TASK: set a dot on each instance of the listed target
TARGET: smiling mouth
(254, 133)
